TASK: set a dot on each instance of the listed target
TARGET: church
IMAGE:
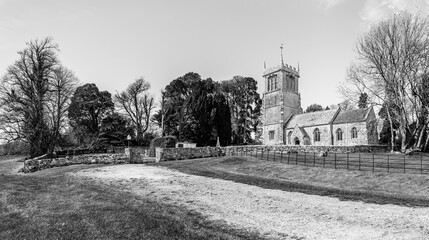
(285, 123)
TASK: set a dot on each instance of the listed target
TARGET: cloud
(375, 10)
(330, 3)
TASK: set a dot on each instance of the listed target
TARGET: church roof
(349, 116)
(312, 119)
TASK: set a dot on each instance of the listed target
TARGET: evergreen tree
(363, 100)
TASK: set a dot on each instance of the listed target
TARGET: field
(215, 198)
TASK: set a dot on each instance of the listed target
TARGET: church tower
(281, 100)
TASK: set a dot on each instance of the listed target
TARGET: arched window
(289, 135)
(316, 135)
(339, 134)
(354, 132)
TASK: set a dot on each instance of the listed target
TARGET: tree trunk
(419, 142)
(425, 147)
(392, 134)
(403, 134)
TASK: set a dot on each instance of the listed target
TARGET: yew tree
(87, 108)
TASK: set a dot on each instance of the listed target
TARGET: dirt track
(274, 213)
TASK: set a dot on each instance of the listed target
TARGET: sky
(112, 43)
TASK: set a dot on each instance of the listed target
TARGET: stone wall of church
(362, 134)
(278, 139)
(272, 108)
(325, 135)
(291, 105)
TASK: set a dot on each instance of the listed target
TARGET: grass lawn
(378, 187)
(52, 204)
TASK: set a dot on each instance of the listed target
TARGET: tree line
(43, 104)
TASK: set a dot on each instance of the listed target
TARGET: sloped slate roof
(311, 119)
(350, 116)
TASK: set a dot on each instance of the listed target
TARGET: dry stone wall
(33, 165)
(234, 150)
(188, 153)
(169, 154)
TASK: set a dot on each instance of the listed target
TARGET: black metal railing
(375, 162)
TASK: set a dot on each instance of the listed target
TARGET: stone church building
(284, 122)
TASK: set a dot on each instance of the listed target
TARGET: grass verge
(379, 188)
(53, 205)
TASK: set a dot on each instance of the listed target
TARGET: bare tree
(137, 104)
(392, 60)
(24, 95)
(63, 85)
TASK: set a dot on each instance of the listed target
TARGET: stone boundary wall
(234, 150)
(202, 152)
(33, 165)
(188, 153)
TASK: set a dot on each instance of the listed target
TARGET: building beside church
(285, 123)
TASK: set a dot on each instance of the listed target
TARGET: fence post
(421, 163)
(359, 161)
(288, 156)
(314, 159)
(274, 156)
(372, 162)
(335, 160)
(347, 161)
(296, 159)
(262, 154)
(305, 158)
(404, 162)
(281, 156)
(324, 162)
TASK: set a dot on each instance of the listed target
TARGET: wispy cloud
(375, 10)
(330, 3)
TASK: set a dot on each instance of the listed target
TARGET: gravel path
(275, 214)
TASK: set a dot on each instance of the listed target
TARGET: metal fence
(375, 162)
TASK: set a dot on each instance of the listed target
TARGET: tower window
(339, 134)
(289, 136)
(272, 83)
(316, 135)
(271, 135)
(354, 132)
